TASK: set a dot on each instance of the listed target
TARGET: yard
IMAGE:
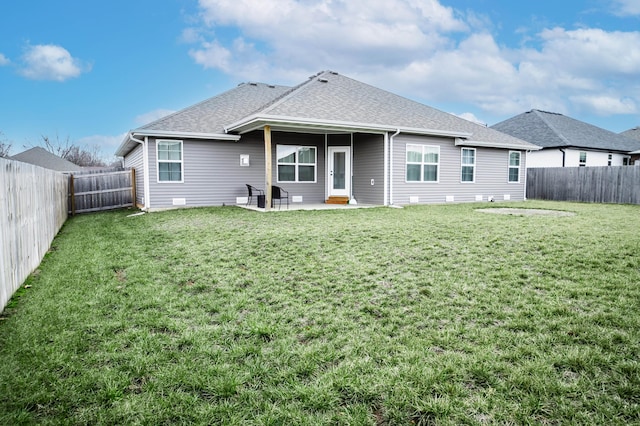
(422, 315)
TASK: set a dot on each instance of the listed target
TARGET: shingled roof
(43, 158)
(213, 114)
(632, 133)
(326, 101)
(553, 130)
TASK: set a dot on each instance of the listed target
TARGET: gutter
(564, 154)
(391, 165)
(187, 135)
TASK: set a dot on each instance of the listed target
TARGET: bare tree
(5, 146)
(57, 147)
(83, 156)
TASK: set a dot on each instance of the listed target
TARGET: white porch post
(267, 167)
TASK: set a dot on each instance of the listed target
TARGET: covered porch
(319, 167)
(311, 206)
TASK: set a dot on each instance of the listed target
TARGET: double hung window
(468, 170)
(169, 158)
(423, 163)
(296, 163)
(583, 159)
(514, 166)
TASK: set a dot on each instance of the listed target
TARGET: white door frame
(346, 192)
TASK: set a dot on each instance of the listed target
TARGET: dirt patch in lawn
(527, 212)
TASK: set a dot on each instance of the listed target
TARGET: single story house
(567, 142)
(330, 136)
(43, 158)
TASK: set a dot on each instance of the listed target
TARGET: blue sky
(92, 70)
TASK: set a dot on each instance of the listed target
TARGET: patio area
(301, 206)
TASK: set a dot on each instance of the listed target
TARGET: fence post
(133, 187)
(73, 195)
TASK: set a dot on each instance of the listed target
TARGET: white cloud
(606, 105)
(303, 34)
(469, 116)
(4, 60)
(212, 55)
(151, 116)
(592, 52)
(50, 62)
(626, 7)
(424, 50)
(106, 143)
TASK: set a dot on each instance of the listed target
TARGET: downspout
(525, 174)
(391, 165)
(145, 166)
(327, 186)
(563, 155)
(385, 162)
(351, 169)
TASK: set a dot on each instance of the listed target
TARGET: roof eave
(185, 135)
(256, 122)
(505, 145)
(128, 144)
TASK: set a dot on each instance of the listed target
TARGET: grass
(425, 315)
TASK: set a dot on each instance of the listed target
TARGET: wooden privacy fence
(100, 190)
(33, 208)
(620, 185)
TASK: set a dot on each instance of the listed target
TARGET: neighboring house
(330, 136)
(634, 134)
(567, 142)
(43, 158)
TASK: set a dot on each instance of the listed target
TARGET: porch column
(267, 167)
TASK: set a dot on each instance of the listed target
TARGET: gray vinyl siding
(312, 193)
(135, 161)
(368, 163)
(491, 174)
(212, 175)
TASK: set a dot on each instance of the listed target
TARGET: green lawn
(422, 315)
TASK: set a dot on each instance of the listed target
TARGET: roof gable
(324, 102)
(329, 97)
(553, 130)
(211, 115)
(43, 158)
(632, 133)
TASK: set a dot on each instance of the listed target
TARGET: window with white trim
(169, 160)
(468, 163)
(583, 159)
(514, 166)
(296, 163)
(423, 163)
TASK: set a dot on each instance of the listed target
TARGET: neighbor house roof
(43, 158)
(633, 134)
(553, 130)
(326, 101)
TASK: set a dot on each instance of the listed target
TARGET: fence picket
(91, 192)
(33, 208)
(620, 185)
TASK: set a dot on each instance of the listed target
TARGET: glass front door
(339, 171)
